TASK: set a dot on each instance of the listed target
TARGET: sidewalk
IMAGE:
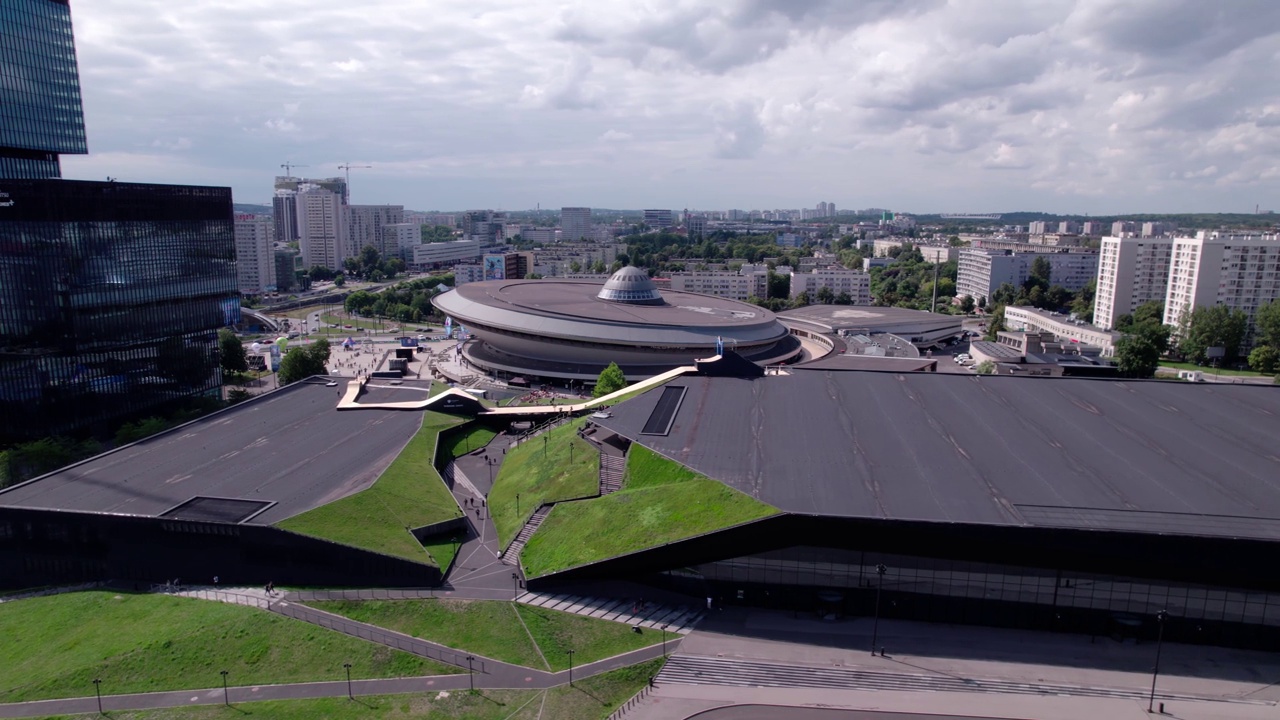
(1210, 682)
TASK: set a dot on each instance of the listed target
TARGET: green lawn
(1211, 371)
(591, 698)
(661, 502)
(537, 477)
(473, 439)
(356, 322)
(55, 646)
(519, 634)
(408, 494)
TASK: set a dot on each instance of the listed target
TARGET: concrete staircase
(678, 620)
(511, 556)
(611, 469)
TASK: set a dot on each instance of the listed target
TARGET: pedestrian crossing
(701, 670)
(678, 620)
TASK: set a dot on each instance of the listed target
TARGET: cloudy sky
(1078, 106)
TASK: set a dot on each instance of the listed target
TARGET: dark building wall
(41, 114)
(1102, 583)
(42, 547)
(111, 295)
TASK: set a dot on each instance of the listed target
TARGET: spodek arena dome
(573, 329)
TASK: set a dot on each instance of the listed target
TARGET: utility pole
(934, 307)
(288, 167)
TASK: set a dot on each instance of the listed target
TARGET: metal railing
(631, 703)
(362, 594)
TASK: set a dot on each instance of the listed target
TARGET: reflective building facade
(41, 116)
(111, 295)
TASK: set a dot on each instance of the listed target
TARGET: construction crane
(288, 167)
(348, 167)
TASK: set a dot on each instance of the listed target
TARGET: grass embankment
(561, 467)
(55, 646)
(519, 634)
(589, 699)
(473, 439)
(660, 502)
(408, 494)
(1210, 370)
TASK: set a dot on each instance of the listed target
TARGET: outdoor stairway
(512, 554)
(611, 468)
(679, 620)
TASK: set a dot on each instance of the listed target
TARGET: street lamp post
(1161, 617)
(226, 695)
(350, 695)
(98, 691)
(570, 668)
(471, 671)
(664, 641)
(517, 504)
(515, 584)
(875, 626)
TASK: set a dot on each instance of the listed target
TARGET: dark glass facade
(41, 115)
(111, 295)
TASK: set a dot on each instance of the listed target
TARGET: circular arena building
(573, 329)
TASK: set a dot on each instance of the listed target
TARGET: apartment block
(659, 219)
(399, 239)
(855, 283)
(430, 255)
(1241, 272)
(939, 253)
(321, 226)
(365, 224)
(731, 285)
(1131, 271)
(255, 263)
(981, 271)
(575, 223)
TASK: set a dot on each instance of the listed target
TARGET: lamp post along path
(875, 626)
(1161, 617)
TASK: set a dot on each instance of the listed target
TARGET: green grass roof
(561, 467)
(661, 502)
(408, 494)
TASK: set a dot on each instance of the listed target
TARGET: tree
(301, 363)
(1267, 324)
(231, 352)
(237, 396)
(1150, 311)
(598, 267)
(611, 380)
(575, 266)
(1041, 271)
(339, 280)
(966, 304)
(1212, 326)
(801, 300)
(986, 367)
(825, 295)
(779, 286)
(1265, 359)
(844, 298)
(1138, 353)
(995, 323)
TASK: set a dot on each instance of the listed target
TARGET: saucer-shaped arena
(573, 329)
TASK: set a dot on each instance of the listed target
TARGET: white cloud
(919, 105)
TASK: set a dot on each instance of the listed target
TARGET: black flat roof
(1182, 458)
(290, 449)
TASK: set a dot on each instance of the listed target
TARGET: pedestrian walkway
(511, 556)
(675, 620)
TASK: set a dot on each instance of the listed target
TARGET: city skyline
(1068, 107)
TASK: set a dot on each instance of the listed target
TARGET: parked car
(963, 358)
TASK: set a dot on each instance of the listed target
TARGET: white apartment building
(883, 247)
(722, 284)
(659, 219)
(464, 273)
(939, 253)
(1156, 229)
(980, 271)
(321, 226)
(429, 255)
(399, 239)
(1029, 319)
(696, 226)
(365, 223)
(544, 235)
(255, 261)
(1241, 272)
(575, 223)
(1131, 271)
(855, 283)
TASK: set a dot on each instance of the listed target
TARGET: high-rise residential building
(697, 226)
(1093, 228)
(399, 240)
(364, 227)
(575, 224)
(322, 226)
(854, 283)
(41, 116)
(284, 203)
(1241, 272)
(543, 235)
(981, 271)
(659, 219)
(1068, 227)
(111, 293)
(1121, 228)
(288, 266)
(1131, 271)
(255, 262)
(1156, 229)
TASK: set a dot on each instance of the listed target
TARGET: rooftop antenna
(288, 167)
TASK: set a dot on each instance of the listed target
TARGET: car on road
(963, 358)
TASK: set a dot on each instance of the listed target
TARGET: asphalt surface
(1141, 456)
(291, 448)
(779, 712)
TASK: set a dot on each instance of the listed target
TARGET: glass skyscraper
(41, 115)
(111, 293)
